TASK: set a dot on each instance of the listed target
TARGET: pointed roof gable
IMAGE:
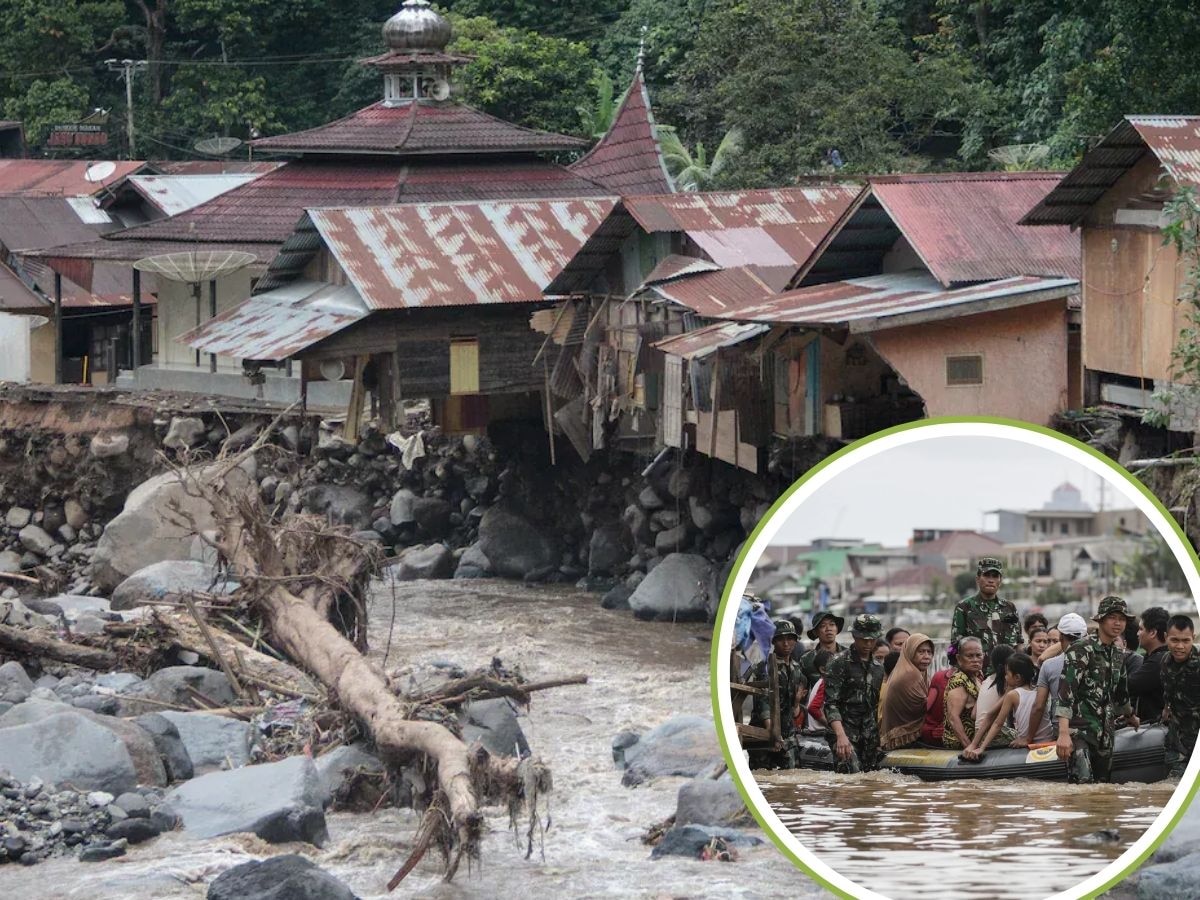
(417, 128)
(628, 159)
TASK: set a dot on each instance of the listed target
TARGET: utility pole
(127, 68)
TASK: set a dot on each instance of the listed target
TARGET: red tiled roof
(628, 159)
(268, 208)
(964, 225)
(416, 129)
(62, 177)
(216, 166)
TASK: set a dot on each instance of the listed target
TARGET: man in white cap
(1071, 628)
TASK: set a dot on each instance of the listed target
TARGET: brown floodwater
(640, 674)
(987, 840)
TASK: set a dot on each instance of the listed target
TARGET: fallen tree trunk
(31, 642)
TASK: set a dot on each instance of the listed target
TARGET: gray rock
(68, 748)
(14, 612)
(607, 550)
(167, 579)
(493, 723)
(289, 877)
(10, 561)
(683, 745)
(281, 801)
(184, 432)
(67, 533)
(648, 499)
(135, 831)
(690, 840)
(171, 685)
(98, 799)
(52, 518)
(340, 503)
(478, 486)
(703, 801)
(74, 605)
(18, 517)
(148, 529)
(401, 511)
(134, 805)
(117, 681)
(432, 515)
(514, 548)
(75, 514)
(1175, 880)
(473, 563)
(679, 484)
(638, 522)
(212, 742)
(672, 539)
(15, 685)
(101, 852)
(35, 539)
(679, 589)
(433, 561)
(617, 597)
(338, 768)
(109, 444)
(167, 743)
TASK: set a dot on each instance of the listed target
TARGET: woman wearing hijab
(908, 687)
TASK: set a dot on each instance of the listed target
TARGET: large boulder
(35, 539)
(704, 801)
(171, 686)
(692, 840)
(15, 684)
(280, 801)
(683, 745)
(514, 548)
(170, 747)
(68, 748)
(607, 550)
(432, 515)
(679, 589)
(340, 768)
(493, 723)
(1175, 880)
(158, 522)
(184, 432)
(288, 877)
(473, 563)
(170, 578)
(433, 561)
(342, 504)
(212, 742)
(401, 511)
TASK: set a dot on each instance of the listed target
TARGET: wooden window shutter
(464, 365)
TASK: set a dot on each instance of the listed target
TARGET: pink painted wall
(1024, 361)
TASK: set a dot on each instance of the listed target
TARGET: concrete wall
(278, 390)
(26, 348)
(1024, 361)
(177, 314)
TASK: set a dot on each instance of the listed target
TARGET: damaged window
(962, 370)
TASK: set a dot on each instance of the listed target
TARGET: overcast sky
(944, 482)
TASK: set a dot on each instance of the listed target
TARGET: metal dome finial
(417, 26)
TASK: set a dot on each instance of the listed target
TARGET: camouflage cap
(825, 617)
(989, 564)
(1110, 605)
(784, 628)
(867, 627)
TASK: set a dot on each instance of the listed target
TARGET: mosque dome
(417, 26)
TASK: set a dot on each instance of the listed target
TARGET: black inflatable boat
(1138, 756)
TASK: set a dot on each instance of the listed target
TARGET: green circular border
(795, 486)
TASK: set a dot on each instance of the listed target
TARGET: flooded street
(992, 840)
(640, 674)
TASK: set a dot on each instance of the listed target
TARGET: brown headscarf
(904, 705)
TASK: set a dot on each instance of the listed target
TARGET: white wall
(177, 314)
(14, 347)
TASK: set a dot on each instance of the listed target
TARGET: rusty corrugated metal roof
(628, 158)
(889, 301)
(677, 266)
(711, 293)
(173, 194)
(708, 340)
(457, 254)
(964, 226)
(763, 227)
(1174, 141)
(58, 177)
(279, 324)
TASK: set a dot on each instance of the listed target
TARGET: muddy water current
(992, 840)
(640, 675)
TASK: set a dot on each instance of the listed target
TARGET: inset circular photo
(960, 655)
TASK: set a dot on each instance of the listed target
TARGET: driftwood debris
(32, 643)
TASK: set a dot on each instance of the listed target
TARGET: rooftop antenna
(217, 146)
(641, 58)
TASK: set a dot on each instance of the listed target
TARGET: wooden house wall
(421, 341)
(1131, 282)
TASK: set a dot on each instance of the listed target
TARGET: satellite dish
(439, 89)
(1020, 157)
(333, 369)
(217, 146)
(191, 266)
(97, 172)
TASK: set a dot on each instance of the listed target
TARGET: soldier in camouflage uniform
(825, 629)
(985, 614)
(1181, 692)
(792, 687)
(851, 698)
(1093, 693)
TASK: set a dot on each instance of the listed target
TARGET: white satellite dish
(333, 369)
(218, 146)
(439, 89)
(98, 171)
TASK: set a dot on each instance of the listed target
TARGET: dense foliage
(888, 84)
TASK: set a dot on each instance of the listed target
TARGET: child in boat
(1018, 702)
